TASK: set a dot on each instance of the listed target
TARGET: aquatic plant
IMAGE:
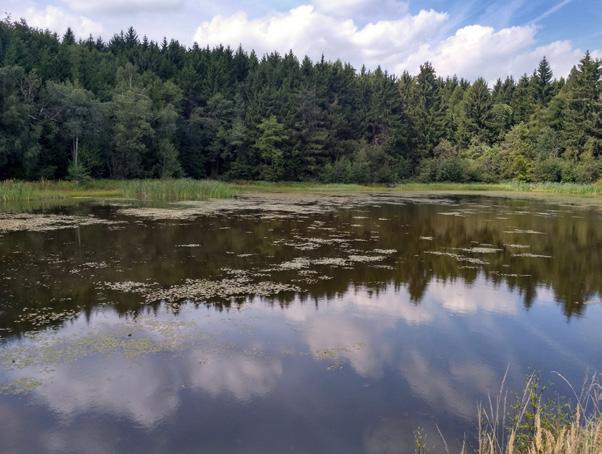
(534, 423)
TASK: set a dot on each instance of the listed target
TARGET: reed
(158, 190)
(171, 190)
(188, 189)
(533, 425)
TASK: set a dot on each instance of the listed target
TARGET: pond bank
(186, 189)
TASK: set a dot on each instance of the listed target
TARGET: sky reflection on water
(354, 363)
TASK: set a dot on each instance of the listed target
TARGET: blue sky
(469, 38)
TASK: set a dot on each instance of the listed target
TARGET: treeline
(134, 108)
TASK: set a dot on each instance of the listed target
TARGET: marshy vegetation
(534, 422)
(145, 190)
(168, 190)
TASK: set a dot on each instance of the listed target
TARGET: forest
(134, 108)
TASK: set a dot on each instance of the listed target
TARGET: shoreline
(12, 191)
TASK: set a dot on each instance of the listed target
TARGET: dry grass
(531, 425)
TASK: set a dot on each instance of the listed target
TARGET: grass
(515, 187)
(186, 189)
(533, 424)
(538, 426)
(156, 190)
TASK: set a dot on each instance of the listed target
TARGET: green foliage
(132, 108)
(543, 88)
(553, 413)
(478, 111)
(268, 145)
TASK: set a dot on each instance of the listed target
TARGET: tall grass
(518, 187)
(533, 425)
(530, 423)
(186, 189)
(159, 190)
(559, 188)
(182, 189)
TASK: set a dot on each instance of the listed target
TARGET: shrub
(580, 172)
(549, 169)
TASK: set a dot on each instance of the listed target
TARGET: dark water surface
(295, 325)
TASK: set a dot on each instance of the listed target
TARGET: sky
(469, 38)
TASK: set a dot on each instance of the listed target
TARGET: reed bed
(170, 190)
(156, 190)
(188, 189)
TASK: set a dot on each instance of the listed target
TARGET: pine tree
(477, 110)
(543, 83)
(428, 112)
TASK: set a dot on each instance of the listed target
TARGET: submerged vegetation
(133, 108)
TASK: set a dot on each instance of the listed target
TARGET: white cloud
(401, 43)
(308, 31)
(476, 50)
(55, 19)
(121, 6)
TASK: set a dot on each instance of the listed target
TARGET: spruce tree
(543, 83)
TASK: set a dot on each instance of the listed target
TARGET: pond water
(287, 323)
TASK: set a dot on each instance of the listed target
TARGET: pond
(286, 322)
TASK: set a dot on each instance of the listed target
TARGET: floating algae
(534, 256)
(366, 258)
(133, 338)
(46, 222)
(272, 206)
(518, 246)
(298, 263)
(330, 261)
(458, 257)
(481, 250)
(452, 213)
(128, 287)
(203, 289)
(20, 386)
(89, 266)
(40, 317)
(524, 232)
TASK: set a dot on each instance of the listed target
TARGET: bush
(453, 169)
(549, 169)
(368, 164)
(581, 172)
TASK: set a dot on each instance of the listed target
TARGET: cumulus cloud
(308, 31)
(55, 19)
(476, 50)
(120, 6)
(402, 43)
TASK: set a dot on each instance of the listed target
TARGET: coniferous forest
(134, 108)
